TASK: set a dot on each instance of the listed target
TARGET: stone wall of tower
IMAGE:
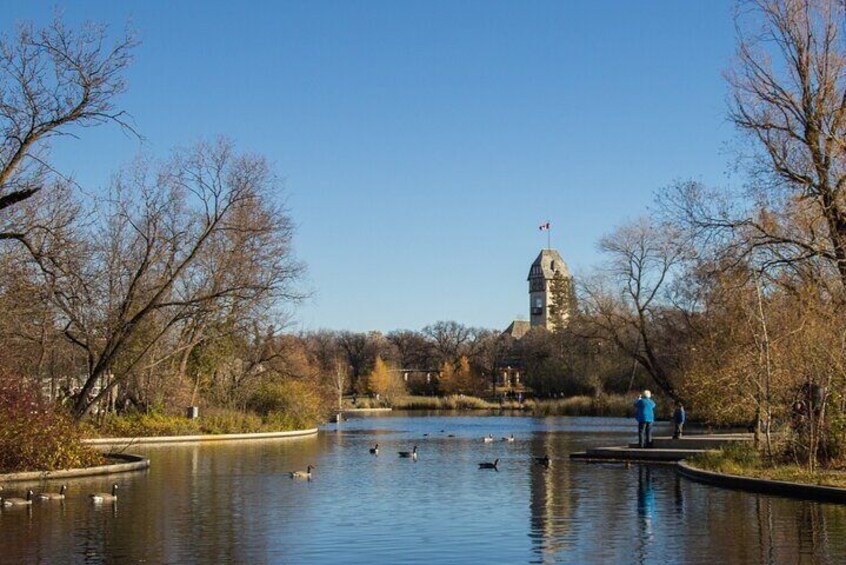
(540, 276)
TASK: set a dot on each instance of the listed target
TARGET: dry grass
(745, 461)
(606, 405)
(452, 402)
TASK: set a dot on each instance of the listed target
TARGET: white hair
(647, 394)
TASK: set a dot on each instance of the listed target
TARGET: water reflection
(549, 497)
(236, 503)
(645, 511)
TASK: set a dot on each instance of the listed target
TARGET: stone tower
(540, 276)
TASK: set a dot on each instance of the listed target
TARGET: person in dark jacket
(645, 416)
(678, 420)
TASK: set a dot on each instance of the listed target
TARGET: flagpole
(548, 236)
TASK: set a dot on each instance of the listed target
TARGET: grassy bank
(605, 405)
(213, 421)
(744, 460)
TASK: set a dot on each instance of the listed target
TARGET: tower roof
(517, 329)
(547, 264)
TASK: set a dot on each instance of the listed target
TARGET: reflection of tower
(540, 278)
(552, 498)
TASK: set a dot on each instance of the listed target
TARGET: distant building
(541, 274)
(540, 277)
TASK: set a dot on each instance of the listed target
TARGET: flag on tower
(544, 227)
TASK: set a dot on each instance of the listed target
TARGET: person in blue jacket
(678, 420)
(645, 415)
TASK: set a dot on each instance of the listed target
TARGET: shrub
(148, 425)
(734, 458)
(223, 421)
(36, 435)
(292, 403)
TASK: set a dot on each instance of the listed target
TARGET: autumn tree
(460, 378)
(384, 381)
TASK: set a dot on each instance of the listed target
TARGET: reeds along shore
(605, 405)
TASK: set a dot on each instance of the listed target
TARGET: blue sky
(422, 143)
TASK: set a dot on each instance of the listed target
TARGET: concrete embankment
(118, 463)
(118, 443)
(674, 451)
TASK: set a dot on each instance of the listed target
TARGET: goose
(302, 474)
(53, 495)
(488, 438)
(18, 501)
(509, 439)
(412, 454)
(98, 497)
(487, 465)
(542, 460)
(375, 449)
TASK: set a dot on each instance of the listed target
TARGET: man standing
(678, 420)
(645, 415)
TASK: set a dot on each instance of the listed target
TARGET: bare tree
(196, 238)
(788, 93)
(51, 79)
(450, 340)
(626, 303)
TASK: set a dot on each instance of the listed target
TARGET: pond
(236, 503)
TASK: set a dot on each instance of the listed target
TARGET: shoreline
(802, 491)
(129, 463)
(124, 442)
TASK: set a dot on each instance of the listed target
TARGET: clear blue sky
(423, 143)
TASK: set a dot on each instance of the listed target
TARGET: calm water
(234, 503)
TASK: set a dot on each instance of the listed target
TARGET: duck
(375, 449)
(18, 501)
(53, 495)
(542, 460)
(488, 438)
(509, 439)
(409, 454)
(98, 497)
(302, 474)
(487, 465)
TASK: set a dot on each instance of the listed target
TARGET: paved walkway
(663, 450)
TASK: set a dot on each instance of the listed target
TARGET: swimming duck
(18, 501)
(375, 449)
(542, 460)
(488, 438)
(409, 454)
(98, 497)
(302, 474)
(487, 465)
(509, 439)
(53, 495)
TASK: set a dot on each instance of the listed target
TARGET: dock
(664, 449)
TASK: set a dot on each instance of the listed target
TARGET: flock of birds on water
(542, 461)
(101, 497)
(94, 497)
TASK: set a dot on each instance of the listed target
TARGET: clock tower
(548, 263)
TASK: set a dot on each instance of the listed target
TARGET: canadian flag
(544, 227)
